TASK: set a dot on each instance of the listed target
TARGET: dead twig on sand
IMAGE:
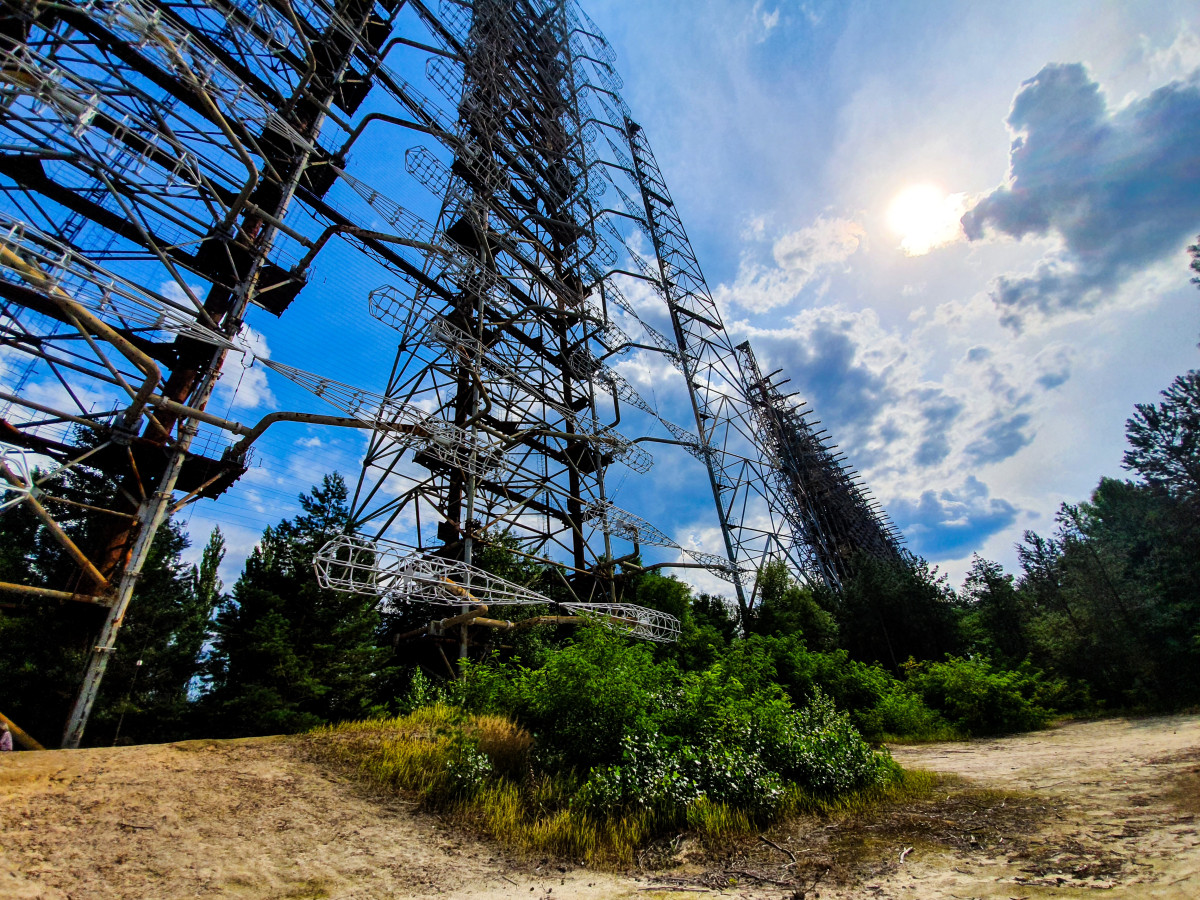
(669, 887)
(771, 843)
(757, 877)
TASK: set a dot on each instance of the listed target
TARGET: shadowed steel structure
(165, 165)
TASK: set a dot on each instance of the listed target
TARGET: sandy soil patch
(1100, 806)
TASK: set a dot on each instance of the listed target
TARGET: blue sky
(978, 375)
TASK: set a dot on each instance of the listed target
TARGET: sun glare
(925, 216)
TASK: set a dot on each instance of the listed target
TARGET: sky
(959, 228)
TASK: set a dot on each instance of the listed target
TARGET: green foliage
(977, 698)
(1164, 440)
(891, 610)
(580, 703)
(648, 736)
(899, 715)
(288, 655)
(649, 774)
(994, 621)
(787, 608)
(1112, 601)
(876, 701)
(606, 748)
(473, 769)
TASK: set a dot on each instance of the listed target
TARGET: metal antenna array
(163, 168)
(168, 164)
(779, 491)
(826, 505)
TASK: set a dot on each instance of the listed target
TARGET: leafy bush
(600, 749)
(879, 704)
(651, 775)
(646, 736)
(904, 716)
(825, 753)
(586, 697)
(976, 698)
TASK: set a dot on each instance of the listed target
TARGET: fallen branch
(771, 843)
(904, 853)
(669, 887)
(757, 877)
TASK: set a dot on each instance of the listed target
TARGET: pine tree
(1164, 441)
(787, 608)
(287, 654)
(146, 694)
(995, 620)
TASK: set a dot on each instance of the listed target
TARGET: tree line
(1103, 614)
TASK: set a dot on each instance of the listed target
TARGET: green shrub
(825, 754)
(879, 704)
(976, 698)
(669, 781)
(904, 716)
(645, 736)
(586, 697)
(601, 749)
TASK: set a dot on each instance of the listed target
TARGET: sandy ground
(1104, 806)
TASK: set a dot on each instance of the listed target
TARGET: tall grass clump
(600, 749)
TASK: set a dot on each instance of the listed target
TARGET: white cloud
(242, 384)
(1181, 56)
(768, 20)
(1120, 187)
(800, 257)
(173, 290)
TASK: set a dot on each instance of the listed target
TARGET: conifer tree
(287, 654)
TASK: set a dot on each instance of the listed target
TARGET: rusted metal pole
(49, 594)
(20, 735)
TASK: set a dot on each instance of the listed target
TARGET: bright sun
(925, 216)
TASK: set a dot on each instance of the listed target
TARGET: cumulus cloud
(939, 412)
(900, 407)
(1182, 55)
(243, 385)
(947, 524)
(800, 257)
(1053, 365)
(1119, 188)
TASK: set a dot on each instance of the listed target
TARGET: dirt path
(1121, 800)
(1104, 806)
(245, 819)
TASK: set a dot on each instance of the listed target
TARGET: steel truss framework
(150, 146)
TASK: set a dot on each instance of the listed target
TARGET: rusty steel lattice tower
(167, 166)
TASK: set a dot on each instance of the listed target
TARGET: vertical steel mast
(502, 355)
(779, 490)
